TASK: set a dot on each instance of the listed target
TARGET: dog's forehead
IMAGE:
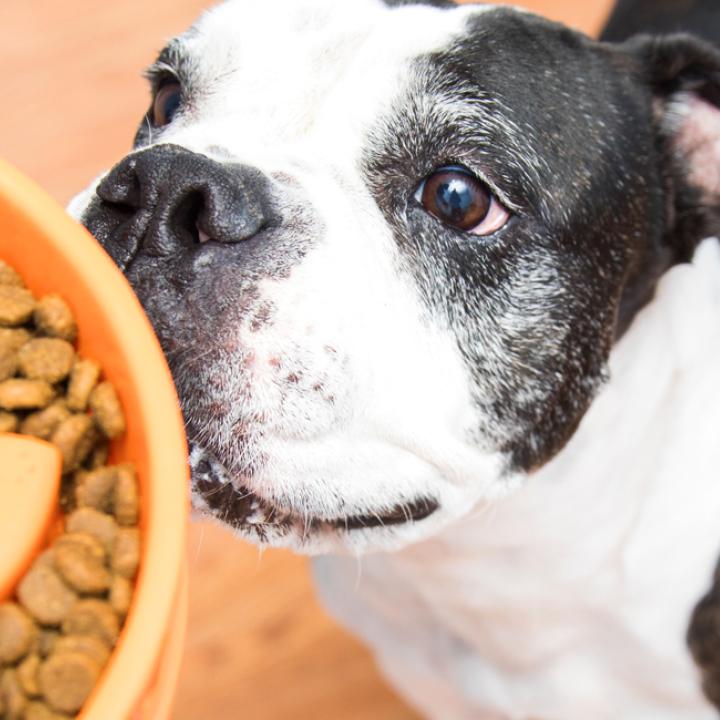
(280, 65)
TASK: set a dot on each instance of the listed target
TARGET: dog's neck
(584, 560)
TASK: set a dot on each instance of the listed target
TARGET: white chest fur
(571, 598)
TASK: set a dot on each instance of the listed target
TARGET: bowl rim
(132, 668)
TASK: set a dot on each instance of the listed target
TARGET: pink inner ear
(696, 125)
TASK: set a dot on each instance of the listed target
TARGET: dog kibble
(106, 409)
(49, 359)
(80, 560)
(75, 437)
(16, 305)
(127, 502)
(57, 637)
(9, 275)
(17, 632)
(120, 595)
(54, 318)
(96, 488)
(93, 522)
(20, 394)
(27, 673)
(126, 553)
(45, 596)
(83, 379)
(66, 680)
(14, 697)
(93, 617)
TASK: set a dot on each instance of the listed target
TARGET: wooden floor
(259, 647)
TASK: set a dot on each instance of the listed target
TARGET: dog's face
(387, 250)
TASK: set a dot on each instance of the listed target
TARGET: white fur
(571, 598)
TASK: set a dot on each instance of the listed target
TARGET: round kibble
(54, 318)
(9, 275)
(45, 596)
(80, 560)
(8, 363)
(83, 379)
(127, 502)
(21, 394)
(17, 633)
(66, 680)
(14, 697)
(44, 423)
(120, 594)
(96, 488)
(16, 305)
(27, 673)
(126, 553)
(106, 409)
(92, 617)
(93, 522)
(49, 359)
(74, 437)
(88, 645)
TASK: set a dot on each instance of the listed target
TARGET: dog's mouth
(245, 510)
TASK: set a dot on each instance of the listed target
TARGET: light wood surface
(259, 647)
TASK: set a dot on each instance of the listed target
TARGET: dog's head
(388, 247)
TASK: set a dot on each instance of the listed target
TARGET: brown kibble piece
(54, 318)
(28, 675)
(99, 456)
(17, 633)
(67, 679)
(45, 596)
(16, 305)
(13, 338)
(8, 363)
(21, 394)
(96, 488)
(93, 522)
(88, 645)
(83, 379)
(37, 710)
(93, 617)
(106, 409)
(49, 359)
(14, 697)
(8, 422)
(80, 560)
(44, 423)
(9, 275)
(120, 594)
(75, 437)
(127, 502)
(126, 553)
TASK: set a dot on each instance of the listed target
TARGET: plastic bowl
(55, 254)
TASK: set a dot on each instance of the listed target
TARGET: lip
(242, 509)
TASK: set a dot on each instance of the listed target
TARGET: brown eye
(457, 198)
(166, 104)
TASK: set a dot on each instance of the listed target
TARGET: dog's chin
(224, 497)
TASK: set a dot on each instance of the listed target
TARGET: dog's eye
(457, 198)
(166, 103)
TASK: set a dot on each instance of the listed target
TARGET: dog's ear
(683, 73)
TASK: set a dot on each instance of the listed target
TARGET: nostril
(185, 219)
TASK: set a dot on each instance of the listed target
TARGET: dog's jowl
(439, 285)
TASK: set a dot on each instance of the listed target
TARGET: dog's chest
(572, 598)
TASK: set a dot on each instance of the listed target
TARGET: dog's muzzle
(166, 199)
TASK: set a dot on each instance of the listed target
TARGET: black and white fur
(518, 432)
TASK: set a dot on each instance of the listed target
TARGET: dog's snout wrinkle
(172, 198)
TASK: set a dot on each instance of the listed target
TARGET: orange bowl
(55, 254)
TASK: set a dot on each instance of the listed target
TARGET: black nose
(166, 197)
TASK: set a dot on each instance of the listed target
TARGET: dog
(440, 293)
